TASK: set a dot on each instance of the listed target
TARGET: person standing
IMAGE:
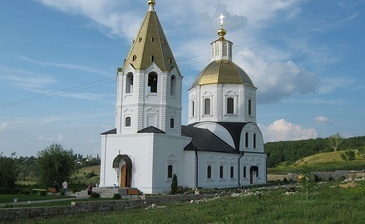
(89, 189)
(65, 186)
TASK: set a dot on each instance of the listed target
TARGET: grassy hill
(86, 175)
(321, 162)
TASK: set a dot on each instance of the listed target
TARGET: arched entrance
(254, 173)
(125, 172)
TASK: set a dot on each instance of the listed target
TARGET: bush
(89, 175)
(117, 196)
(174, 185)
(95, 195)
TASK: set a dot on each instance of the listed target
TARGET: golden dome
(222, 72)
(151, 2)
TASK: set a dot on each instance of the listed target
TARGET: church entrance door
(124, 164)
(125, 179)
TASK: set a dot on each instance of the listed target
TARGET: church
(220, 147)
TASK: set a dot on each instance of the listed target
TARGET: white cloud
(322, 119)
(67, 66)
(282, 130)
(4, 126)
(50, 139)
(276, 80)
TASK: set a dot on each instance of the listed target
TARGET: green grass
(8, 198)
(320, 162)
(327, 203)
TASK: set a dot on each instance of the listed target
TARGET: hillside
(321, 162)
(291, 151)
(86, 175)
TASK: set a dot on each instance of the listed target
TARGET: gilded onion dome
(222, 70)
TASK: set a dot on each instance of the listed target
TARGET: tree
(174, 184)
(8, 172)
(335, 140)
(55, 163)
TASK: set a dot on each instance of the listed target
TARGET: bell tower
(149, 83)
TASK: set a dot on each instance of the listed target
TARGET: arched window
(169, 171)
(134, 57)
(173, 86)
(249, 107)
(221, 172)
(172, 123)
(230, 106)
(232, 172)
(152, 82)
(128, 121)
(129, 83)
(246, 139)
(209, 172)
(244, 172)
(254, 141)
(207, 106)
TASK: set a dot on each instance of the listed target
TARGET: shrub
(95, 195)
(174, 185)
(43, 193)
(117, 196)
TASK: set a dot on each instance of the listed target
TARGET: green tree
(335, 140)
(8, 172)
(55, 163)
(174, 184)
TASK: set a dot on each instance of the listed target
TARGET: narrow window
(129, 83)
(140, 39)
(134, 57)
(152, 39)
(169, 171)
(257, 171)
(152, 58)
(249, 107)
(209, 172)
(207, 106)
(193, 108)
(246, 139)
(254, 141)
(244, 172)
(152, 83)
(173, 86)
(172, 123)
(221, 172)
(230, 106)
(128, 121)
(232, 172)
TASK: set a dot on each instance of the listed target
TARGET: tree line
(291, 151)
(52, 163)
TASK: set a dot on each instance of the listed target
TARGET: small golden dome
(222, 72)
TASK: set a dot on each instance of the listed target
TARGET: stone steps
(105, 192)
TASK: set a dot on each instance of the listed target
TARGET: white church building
(220, 147)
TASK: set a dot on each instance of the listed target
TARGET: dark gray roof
(205, 140)
(151, 129)
(235, 129)
(111, 132)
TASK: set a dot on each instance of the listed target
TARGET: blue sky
(58, 61)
